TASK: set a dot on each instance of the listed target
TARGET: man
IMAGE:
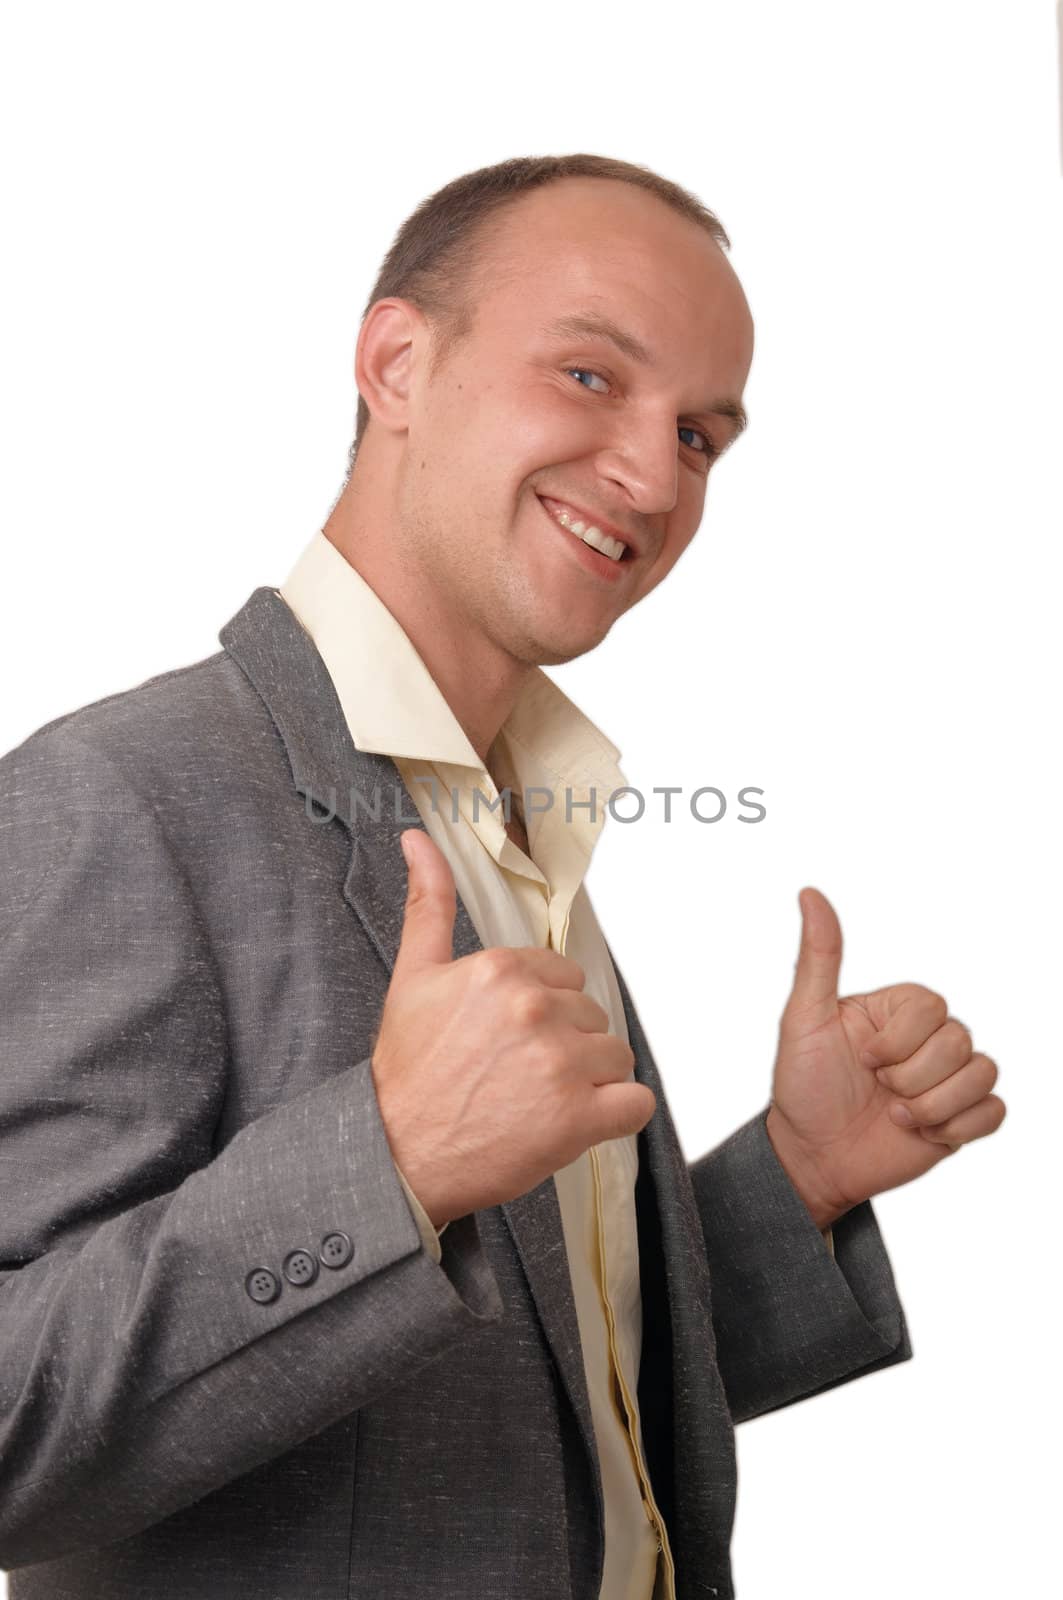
(347, 1244)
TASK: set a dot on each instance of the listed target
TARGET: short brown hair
(431, 259)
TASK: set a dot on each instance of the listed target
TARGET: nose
(644, 460)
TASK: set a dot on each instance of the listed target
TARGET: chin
(537, 639)
(555, 652)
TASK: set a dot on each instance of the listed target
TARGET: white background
(197, 199)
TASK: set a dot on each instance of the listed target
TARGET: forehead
(591, 243)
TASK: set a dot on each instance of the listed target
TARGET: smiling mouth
(612, 549)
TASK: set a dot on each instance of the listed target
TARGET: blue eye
(586, 372)
(707, 446)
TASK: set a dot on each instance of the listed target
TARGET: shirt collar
(393, 705)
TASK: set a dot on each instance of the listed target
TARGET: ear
(392, 336)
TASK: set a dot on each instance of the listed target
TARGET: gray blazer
(228, 1367)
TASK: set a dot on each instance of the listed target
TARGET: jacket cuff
(791, 1318)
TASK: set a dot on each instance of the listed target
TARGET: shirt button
(299, 1267)
(336, 1250)
(262, 1285)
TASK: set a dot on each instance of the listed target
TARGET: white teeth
(591, 535)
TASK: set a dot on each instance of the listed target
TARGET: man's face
(526, 418)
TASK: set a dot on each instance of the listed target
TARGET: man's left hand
(848, 1069)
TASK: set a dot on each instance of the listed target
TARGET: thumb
(431, 905)
(814, 996)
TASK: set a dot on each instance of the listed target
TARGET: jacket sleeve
(790, 1318)
(145, 1358)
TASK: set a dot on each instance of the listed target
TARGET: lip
(592, 561)
(589, 520)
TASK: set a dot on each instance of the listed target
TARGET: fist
(494, 1071)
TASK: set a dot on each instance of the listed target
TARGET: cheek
(486, 434)
(493, 436)
(549, 429)
(680, 535)
(682, 528)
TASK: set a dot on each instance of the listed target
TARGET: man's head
(577, 340)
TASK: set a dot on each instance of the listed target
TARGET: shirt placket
(626, 1404)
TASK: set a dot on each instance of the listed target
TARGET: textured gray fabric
(193, 960)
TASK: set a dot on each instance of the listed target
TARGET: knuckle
(418, 900)
(600, 1019)
(497, 963)
(937, 1005)
(990, 1071)
(622, 1059)
(529, 1007)
(959, 1036)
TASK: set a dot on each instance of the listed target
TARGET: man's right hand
(494, 1071)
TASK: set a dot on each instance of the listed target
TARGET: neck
(479, 682)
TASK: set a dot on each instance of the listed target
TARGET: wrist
(823, 1206)
(409, 1164)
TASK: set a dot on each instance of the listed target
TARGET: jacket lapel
(364, 791)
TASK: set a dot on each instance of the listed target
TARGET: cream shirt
(393, 707)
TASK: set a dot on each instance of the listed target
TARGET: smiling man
(590, 373)
(347, 1243)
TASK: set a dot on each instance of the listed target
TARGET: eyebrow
(593, 325)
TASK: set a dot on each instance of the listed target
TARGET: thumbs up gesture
(493, 1071)
(871, 1090)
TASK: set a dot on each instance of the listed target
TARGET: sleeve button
(262, 1285)
(299, 1267)
(336, 1250)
